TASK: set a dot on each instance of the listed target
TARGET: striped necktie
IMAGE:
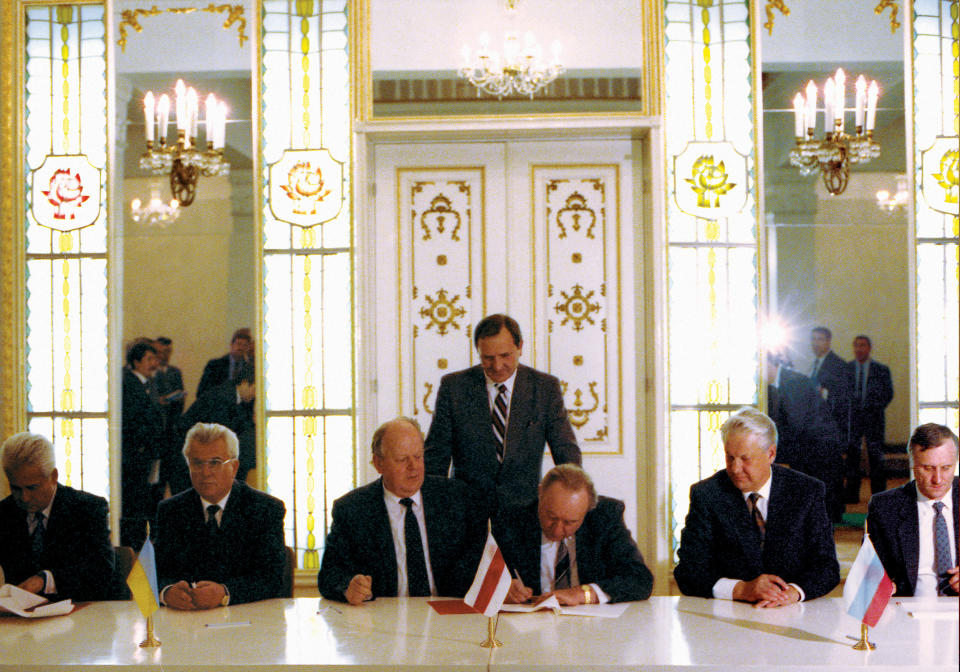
(499, 419)
(757, 516)
(561, 570)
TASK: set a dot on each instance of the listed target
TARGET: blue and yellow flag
(143, 581)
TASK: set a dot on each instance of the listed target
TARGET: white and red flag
(492, 582)
(868, 588)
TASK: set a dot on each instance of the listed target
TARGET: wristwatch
(587, 594)
(225, 601)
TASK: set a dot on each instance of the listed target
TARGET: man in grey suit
(494, 419)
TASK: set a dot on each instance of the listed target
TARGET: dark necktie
(36, 538)
(861, 388)
(213, 527)
(499, 417)
(757, 516)
(561, 570)
(418, 585)
(816, 369)
(941, 545)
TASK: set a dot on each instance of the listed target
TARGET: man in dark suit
(914, 527)
(572, 544)
(166, 390)
(831, 375)
(54, 540)
(141, 428)
(231, 405)
(223, 369)
(756, 532)
(375, 546)
(872, 393)
(494, 419)
(807, 435)
(221, 542)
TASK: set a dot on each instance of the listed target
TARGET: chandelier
(836, 150)
(184, 159)
(521, 69)
(155, 212)
(896, 201)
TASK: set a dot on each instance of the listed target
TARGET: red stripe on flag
(490, 581)
(879, 601)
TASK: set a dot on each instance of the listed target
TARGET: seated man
(376, 547)
(54, 540)
(756, 532)
(221, 541)
(918, 563)
(572, 544)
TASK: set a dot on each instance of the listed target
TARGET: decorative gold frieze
(442, 312)
(576, 307)
(768, 10)
(130, 18)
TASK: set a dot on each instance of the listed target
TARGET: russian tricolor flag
(492, 582)
(868, 588)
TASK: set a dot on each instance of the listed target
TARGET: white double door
(541, 230)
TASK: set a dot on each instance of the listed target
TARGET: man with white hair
(221, 541)
(756, 532)
(54, 540)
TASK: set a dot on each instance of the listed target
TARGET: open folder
(551, 603)
(26, 604)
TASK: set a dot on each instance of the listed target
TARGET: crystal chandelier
(155, 212)
(184, 160)
(521, 69)
(834, 153)
(896, 201)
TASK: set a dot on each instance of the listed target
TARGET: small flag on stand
(143, 581)
(492, 582)
(868, 588)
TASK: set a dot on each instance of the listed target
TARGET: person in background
(872, 393)
(223, 369)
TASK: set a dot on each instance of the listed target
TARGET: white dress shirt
(397, 513)
(548, 563)
(927, 562)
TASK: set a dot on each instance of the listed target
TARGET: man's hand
(767, 590)
(33, 585)
(208, 594)
(518, 593)
(360, 589)
(179, 596)
(569, 597)
(954, 578)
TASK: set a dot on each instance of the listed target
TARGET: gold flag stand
(864, 644)
(491, 641)
(151, 640)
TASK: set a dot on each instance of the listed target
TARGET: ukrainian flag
(143, 581)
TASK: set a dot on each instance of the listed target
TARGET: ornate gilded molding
(768, 10)
(12, 373)
(894, 7)
(131, 18)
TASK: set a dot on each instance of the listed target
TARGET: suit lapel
(382, 537)
(909, 532)
(520, 400)
(434, 518)
(734, 508)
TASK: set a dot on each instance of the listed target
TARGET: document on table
(26, 604)
(551, 603)
(934, 608)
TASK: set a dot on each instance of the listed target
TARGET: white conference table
(663, 633)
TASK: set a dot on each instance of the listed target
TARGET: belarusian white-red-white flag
(492, 582)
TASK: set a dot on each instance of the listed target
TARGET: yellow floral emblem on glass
(709, 179)
(949, 176)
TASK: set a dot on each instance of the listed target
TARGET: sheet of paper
(551, 603)
(26, 604)
(933, 608)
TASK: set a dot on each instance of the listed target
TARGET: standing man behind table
(141, 445)
(494, 419)
(571, 543)
(220, 542)
(872, 393)
(914, 527)
(756, 532)
(831, 375)
(54, 540)
(403, 534)
(222, 369)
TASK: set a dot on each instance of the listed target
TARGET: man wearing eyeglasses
(220, 542)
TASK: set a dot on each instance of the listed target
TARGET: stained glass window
(711, 234)
(936, 101)
(66, 237)
(307, 264)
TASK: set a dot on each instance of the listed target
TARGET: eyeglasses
(216, 464)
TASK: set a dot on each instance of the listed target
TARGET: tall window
(66, 237)
(307, 264)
